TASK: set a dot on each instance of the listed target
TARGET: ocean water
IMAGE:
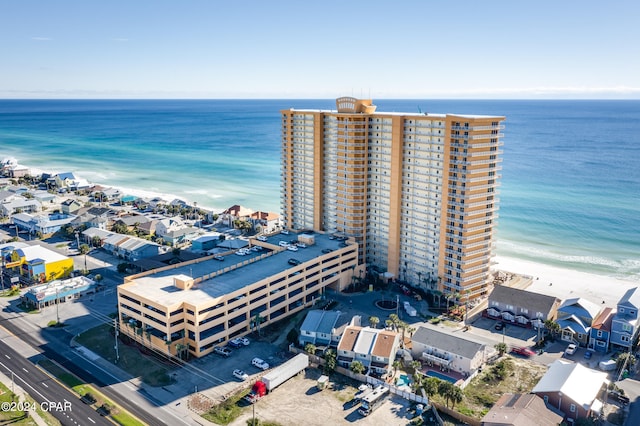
(570, 193)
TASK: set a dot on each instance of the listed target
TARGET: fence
(410, 396)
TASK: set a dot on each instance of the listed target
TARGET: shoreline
(567, 283)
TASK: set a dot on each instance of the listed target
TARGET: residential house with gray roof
(322, 328)
(521, 307)
(130, 248)
(451, 352)
(624, 327)
(521, 410)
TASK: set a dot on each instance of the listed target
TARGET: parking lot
(298, 401)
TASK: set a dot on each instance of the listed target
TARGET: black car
(327, 250)
(294, 262)
(618, 397)
(499, 325)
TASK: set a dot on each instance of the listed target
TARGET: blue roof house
(575, 317)
(624, 328)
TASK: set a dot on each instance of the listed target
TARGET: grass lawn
(508, 375)
(90, 395)
(101, 341)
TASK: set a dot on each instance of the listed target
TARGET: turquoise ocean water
(570, 194)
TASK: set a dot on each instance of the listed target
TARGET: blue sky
(319, 49)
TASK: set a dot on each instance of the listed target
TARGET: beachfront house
(575, 317)
(63, 180)
(322, 328)
(600, 332)
(521, 410)
(374, 348)
(573, 389)
(624, 326)
(233, 213)
(440, 348)
(521, 307)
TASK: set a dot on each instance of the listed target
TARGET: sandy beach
(566, 283)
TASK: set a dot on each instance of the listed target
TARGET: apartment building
(417, 192)
(197, 305)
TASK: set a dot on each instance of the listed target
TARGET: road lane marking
(91, 420)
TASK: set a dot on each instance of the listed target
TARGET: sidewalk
(158, 397)
(22, 395)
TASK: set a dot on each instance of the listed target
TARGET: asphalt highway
(48, 393)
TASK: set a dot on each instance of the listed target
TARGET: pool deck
(452, 375)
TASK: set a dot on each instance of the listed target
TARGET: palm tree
(553, 327)
(456, 395)
(330, 361)
(501, 348)
(373, 321)
(84, 249)
(416, 366)
(430, 385)
(396, 365)
(310, 348)
(395, 321)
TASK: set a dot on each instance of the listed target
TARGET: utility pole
(115, 329)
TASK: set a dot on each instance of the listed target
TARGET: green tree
(394, 320)
(430, 385)
(373, 321)
(357, 367)
(310, 348)
(292, 336)
(396, 365)
(84, 249)
(625, 360)
(96, 241)
(120, 228)
(553, 327)
(501, 348)
(455, 394)
(329, 361)
(416, 366)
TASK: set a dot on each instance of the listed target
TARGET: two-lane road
(48, 394)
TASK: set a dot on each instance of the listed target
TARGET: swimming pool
(403, 380)
(440, 376)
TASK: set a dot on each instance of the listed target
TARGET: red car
(523, 351)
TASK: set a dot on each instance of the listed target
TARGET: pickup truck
(222, 350)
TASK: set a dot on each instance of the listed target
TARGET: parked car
(499, 325)
(239, 374)
(588, 354)
(327, 250)
(524, 351)
(618, 397)
(283, 243)
(257, 362)
(261, 238)
(220, 258)
(294, 262)
(222, 350)
(301, 245)
(292, 248)
(285, 232)
(571, 349)
(238, 342)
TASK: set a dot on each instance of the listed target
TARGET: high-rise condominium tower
(418, 192)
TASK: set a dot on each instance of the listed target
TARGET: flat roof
(159, 287)
(409, 114)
